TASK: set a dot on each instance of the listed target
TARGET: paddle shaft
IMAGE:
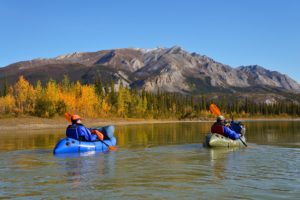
(105, 143)
(243, 142)
(101, 139)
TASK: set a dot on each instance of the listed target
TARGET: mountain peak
(68, 56)
(252, 67)
(175, 50)
(171, 69)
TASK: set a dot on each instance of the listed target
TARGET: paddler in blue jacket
(78, 131)
(223, 129)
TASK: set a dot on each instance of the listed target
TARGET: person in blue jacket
(223, 129)
(78, 131)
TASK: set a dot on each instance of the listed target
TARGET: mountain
(169, 69)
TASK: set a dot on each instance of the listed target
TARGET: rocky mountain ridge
(167, 69)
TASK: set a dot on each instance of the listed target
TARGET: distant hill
(167, 69)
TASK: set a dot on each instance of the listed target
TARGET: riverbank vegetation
(104, 100)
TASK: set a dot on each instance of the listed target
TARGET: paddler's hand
(93, 131)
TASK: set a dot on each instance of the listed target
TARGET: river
(155, 161)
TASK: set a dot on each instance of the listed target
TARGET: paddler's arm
(231, 134)
(98, 134)
(86, 133)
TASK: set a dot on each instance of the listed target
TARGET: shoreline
(59, 122)
(56, 123)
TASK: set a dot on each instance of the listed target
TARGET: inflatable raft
(217, 140)
(69, 145)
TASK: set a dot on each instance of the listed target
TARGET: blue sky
(233, 32)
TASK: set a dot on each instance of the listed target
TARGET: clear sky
(233, 32)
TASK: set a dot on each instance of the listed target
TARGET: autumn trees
(55, 99)
(108, 100)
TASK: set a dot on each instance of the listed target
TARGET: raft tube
(217, 140)
(70, 145)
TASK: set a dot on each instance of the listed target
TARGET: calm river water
(155, 161)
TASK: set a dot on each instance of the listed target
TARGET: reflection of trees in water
(30, 139)
(156, 134)
(273, 131)
(161, 134)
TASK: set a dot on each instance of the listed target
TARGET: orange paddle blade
(68, 117)
(214, 109)
(112, 148)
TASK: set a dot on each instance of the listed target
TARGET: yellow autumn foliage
(70, 101)
(7, 104)
(105, 107)
(52, 91)
(88, 101)
(24, 95)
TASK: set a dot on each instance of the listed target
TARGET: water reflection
(285, 133)
(30, 139)
(217, 161)
(81, 169)
(148, 135)
(221, 160)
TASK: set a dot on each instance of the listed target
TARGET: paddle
(112, 148)
(68, 117)
(216, 111)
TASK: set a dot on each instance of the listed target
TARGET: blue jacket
(220, 128)
(231, 134)
(80, 132)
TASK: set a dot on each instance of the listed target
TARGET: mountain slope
(169, 69)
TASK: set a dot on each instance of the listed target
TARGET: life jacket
(217, 128)
(72, 132)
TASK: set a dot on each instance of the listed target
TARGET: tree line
(105, 100)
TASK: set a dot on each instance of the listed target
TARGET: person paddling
(222, 128)
(78, 131)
